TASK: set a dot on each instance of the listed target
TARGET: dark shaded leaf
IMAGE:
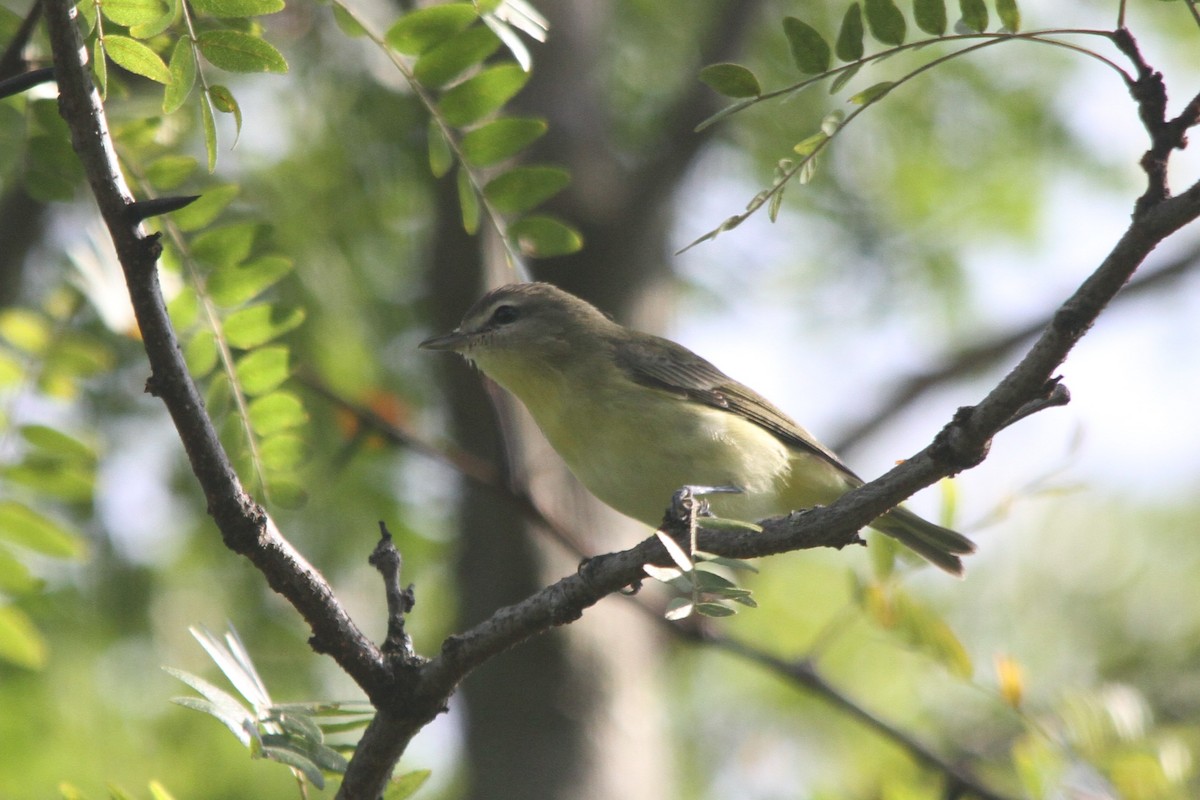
(441, 157)
(468, 201)
(500, 139)
(885, 21)
(450, 59)
(541, 236)
(809, 49)
(974, 15)
(930, 16)
(850, 37)
(475, 98)
(523, 188)
(1010, 15)
(731, 80)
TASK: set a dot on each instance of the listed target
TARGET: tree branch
(244, 525)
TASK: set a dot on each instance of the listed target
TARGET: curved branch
(245, 526)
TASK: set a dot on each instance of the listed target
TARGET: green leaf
(346, 21)
(276, 412)
(27, 528)
(183, 76)
(284, 451)
(57, 443)
(15, 578)
(132, 55)
(885, 21)
(170, 171)
(441, 157)
(420, 30)
(296, 761)
(475, 98)
(225, 246)
(930, 16)
(872, 93)
(850, 38)
(714, 610)
(201, 353)
(20, 642)
(100, 67)
(237, 8)
(262, 370)
(448, 60)
(974, 14)
(132, 12)
(541, 236)
(731, 80)
(523, 188)
(235, 51)
(210, 132)
(500, 140)
(224, 102)
(233, 285)
(25, 330)
(202, 212)
(148, 30)
(1010, 15)
(809, 145)
(405, 786)
(256, 325)
(810, 51)
(468, 201)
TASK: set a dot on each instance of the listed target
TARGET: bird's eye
(504, 315)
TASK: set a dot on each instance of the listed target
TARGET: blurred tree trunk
(574, 714)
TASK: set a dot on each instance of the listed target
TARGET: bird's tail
(940, 546)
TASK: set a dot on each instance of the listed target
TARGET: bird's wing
(662, 364)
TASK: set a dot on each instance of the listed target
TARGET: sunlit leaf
(1010, 680)
(284, 451)
(405, 786)
(233, 285)
(132, 12)
(275, 412)
(57, 443)
(677, 554)
(201, 213)
(731, 80)
(237, 8)
(885, 21)
(240, 52)
(256, 325)
(809, 49)
(543, 236)
(524, 188)
(872, 93)
(224, 101)
(183, 76)
(27, 528)
(201, 353)
(476, 97)
(441, 158)
(679, 608)
(930, 16)
(850, 37)
(500, 139)
(152, 28)
(170, 171)
(15, 578)
(261, 371)
(132, 55)
(448, 60)
(227, 245)
(420, 30)
(20, 642)
(468, 201)
(26, 330)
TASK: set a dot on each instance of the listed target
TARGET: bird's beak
(455, 341)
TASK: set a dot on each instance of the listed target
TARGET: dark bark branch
(243, 523)
(12, 62)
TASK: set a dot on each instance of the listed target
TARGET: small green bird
(636, 417)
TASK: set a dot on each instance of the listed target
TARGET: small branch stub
(388, 561)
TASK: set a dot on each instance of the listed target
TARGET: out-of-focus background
(956, 213)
